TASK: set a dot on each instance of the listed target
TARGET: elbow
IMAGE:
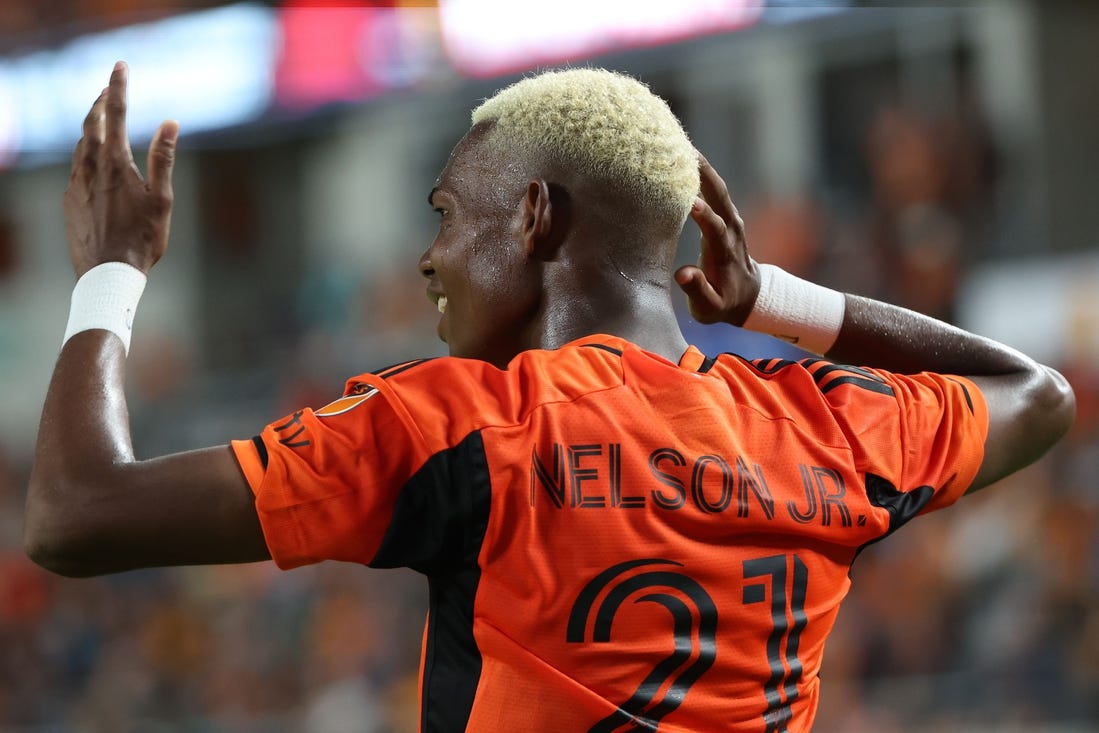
(45, 552)
(1029, 412)
(52, 536)
(1045, 411)
(1055, 402)
(48, 551)
(55, 553)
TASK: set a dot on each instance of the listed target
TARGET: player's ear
(546, 209)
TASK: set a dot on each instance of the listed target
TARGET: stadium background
(938, 155)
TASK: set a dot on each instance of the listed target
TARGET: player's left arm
(92, 507)
(1030, 405)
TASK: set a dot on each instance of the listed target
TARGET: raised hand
(725, 283)
(112, 214)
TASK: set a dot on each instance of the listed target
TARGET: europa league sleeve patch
(343, 404)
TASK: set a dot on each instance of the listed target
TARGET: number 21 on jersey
(695, 623)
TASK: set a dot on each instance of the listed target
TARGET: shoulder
(813, 375)
(813, 389)
(468, 394)
(551, 373)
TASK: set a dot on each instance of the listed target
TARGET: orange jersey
(615, 542)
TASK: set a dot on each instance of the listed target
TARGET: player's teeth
(442, 304)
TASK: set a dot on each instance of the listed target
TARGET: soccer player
(619, 532)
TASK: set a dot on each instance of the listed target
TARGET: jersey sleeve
(919, 439)
(327, 481)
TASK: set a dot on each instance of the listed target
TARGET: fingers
(84, 154)
(94, 123)
(715, 244)
(104, 129)
(116, 139)
(105, 124)
(162, 155)
(716, 194)
(713, 188)
(704, 302)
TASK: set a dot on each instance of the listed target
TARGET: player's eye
(441, 212)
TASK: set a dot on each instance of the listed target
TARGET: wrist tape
(795, 310)
(106, 297)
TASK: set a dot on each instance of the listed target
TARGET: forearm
(896, 339)
(93, 508)
(83, 441)
(1030, 405)
(85, 420)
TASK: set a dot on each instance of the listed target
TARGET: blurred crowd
(981, 617)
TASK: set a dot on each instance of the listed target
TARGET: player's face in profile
(477, 267)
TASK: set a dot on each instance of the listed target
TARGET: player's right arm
(92, 507)
(1030, 405)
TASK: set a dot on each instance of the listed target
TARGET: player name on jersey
(589, 476)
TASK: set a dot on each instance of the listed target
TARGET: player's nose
(425, 266)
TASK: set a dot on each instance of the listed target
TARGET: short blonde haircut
(605, 125)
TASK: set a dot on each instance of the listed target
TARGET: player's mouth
(440, 301)
(435, 295)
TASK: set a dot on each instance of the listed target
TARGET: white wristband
(795, 310)
(106, 297)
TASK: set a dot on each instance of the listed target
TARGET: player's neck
(641, 314)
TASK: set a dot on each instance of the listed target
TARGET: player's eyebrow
(431, 196)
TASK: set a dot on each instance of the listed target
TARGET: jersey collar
(691, 360)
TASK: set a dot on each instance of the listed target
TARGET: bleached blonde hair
(606, 125)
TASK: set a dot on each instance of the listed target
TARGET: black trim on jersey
(819, 369)
(438, 526)
(820, 373)
(867, 384)
(965, 391)
(604, 347)
(394, 369)
(261, 448)
(707, 364)
(771, 365)
(901, 505)
(856, 376)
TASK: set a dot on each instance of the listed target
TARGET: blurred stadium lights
(789, 11)
(228, 66)
(490, 37)
(208, 69)
(348, 53)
